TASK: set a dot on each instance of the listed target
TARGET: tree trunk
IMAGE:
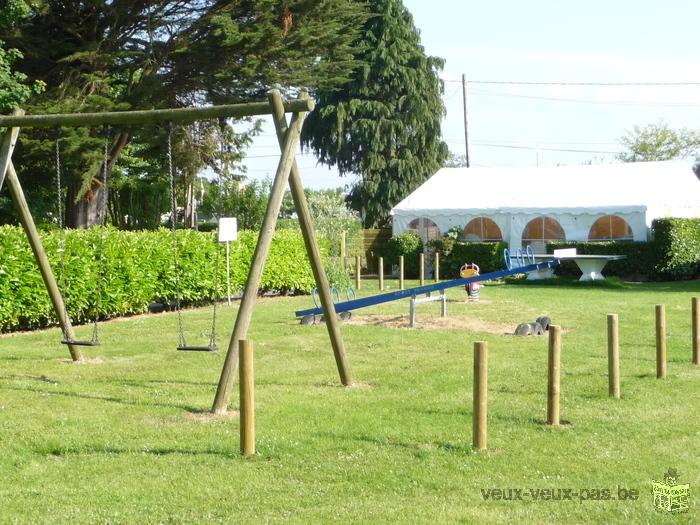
(190, 219)
(85, 211)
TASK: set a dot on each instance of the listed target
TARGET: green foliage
(410, 246)
(488, 256)
(678, 247)
(639, 264)
(138, 269)
(656, 142)
(384, 124)
(337, 276)
(454, 233)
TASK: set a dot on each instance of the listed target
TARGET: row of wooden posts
(554, 367)
(421, 270)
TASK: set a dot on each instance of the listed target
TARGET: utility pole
(466, 121)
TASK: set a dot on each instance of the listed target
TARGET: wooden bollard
(400, 272)
(696, 330)
(358, 262)
(481, 355)
(342, 250)
(436, 265)
(613, 357)
(381, 274)
(554, 372)
(421, 268)
(660, 341)
(245, 347)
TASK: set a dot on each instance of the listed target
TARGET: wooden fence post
(696, 330)
(381, 274)
(247, 397)
(343, 255)
(481, 352)
(436, 273)
(660, 341)
(400, 272)
(421, 268)
(613, 357)
(554, 372)
(358, 263)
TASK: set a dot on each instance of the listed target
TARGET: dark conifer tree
(384, 124)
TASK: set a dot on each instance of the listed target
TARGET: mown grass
(127, 438)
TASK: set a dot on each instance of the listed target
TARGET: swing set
(287, 171)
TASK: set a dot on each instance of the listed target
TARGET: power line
(578, 83)
(587, 101)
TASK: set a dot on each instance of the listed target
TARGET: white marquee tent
(528, 206)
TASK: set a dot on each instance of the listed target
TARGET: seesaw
(511, 269)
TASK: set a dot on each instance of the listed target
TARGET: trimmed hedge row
(678, 248)
(138, 269)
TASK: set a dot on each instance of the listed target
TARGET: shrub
(487, 255)
(410, 246)
(678, 248)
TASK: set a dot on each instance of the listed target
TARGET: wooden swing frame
(287, 172)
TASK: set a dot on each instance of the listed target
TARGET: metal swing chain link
(173, 224)
(61, 233)
(222, 127)
(103, 233)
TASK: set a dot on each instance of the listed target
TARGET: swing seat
(198, 348)
(80, 343)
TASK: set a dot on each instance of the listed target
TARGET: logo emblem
(669, 495)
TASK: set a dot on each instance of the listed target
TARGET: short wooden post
(247, 396)
(436, 265)
(358, 262)
(342, 250)
(696, 330)
(660, 341)
(613, 357)
(481, 353)
(381, 274)
(553, 387)
(400, 272)
(421, 268)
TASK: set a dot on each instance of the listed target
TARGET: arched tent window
(541, 230)
(482, 229)
(424, 228)
(610, 228)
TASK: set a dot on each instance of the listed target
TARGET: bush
(410, 246)
(138, 269)
(487, 255)
(678, 248)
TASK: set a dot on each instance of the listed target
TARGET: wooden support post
(245, 310)
(400, 272)
(613, 357)
(312, 249)
(421, 268)
(25, 218)
(554, 371)
(358, 272)
(696, 330)
(481, 353)
(660, 341)
(381, 274)
(436, 264)
(343, 255)
(247, 397)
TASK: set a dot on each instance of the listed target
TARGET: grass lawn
(127, 437)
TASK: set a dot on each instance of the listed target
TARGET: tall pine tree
(384, 124)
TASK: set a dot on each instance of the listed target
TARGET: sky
(536, 79)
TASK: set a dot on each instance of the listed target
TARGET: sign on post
(228, 231)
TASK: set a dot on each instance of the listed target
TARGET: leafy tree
(656, 142)
(14, 91)
(455, 161)
(384, 124)
(112, 55)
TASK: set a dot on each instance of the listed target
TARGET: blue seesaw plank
(401, 294)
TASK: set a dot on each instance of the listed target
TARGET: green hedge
(639, 264)
(488, 256)
(410, 246)
(138, 269)
(678, 248)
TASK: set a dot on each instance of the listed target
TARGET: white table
(591, 266)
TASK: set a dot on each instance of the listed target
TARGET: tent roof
(597, 188)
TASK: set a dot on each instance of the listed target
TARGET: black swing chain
(106, 131)
(61, 230)
(173, 226)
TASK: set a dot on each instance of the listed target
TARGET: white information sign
(228, 229)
